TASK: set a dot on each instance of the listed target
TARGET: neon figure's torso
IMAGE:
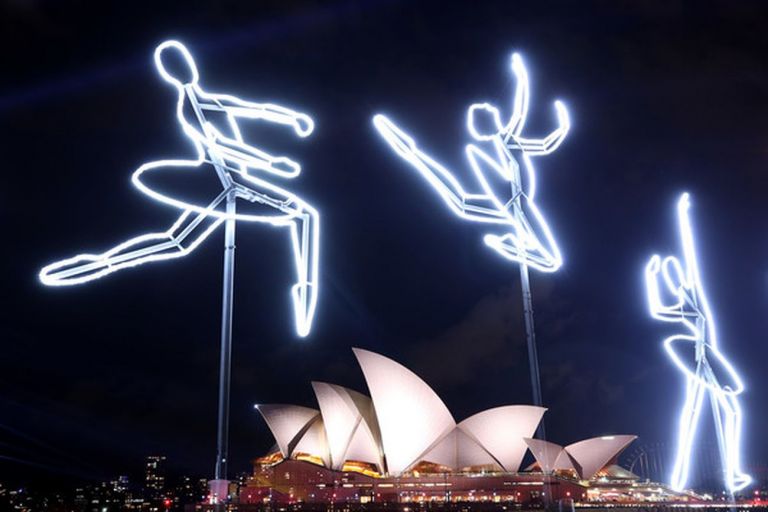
(513, 184)
(233, 160)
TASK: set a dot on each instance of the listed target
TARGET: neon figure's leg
(180, 239)
(531, 242)
(728, 422)
(304, 222)
(689, 419)
(470, 206)
(305, 237)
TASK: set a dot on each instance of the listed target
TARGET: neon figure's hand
(286, 166)
(303, 125)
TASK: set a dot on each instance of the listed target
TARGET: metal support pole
(533, 363)
(530, 336)
(222, 444)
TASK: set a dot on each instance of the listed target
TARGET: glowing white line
(529, 239)
(243, 171)
(686, 303)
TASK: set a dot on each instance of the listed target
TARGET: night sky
(664, 97)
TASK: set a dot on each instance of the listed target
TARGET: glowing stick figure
(694, 353)
(243, 171)
(507, 197)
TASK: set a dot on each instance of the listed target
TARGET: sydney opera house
(403, 445)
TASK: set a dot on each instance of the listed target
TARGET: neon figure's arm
(234, 106)
(479, 207)
(513, 129)
(668, 274)
(234, 149)
(656, 306)
(249, 156)
(548, 144)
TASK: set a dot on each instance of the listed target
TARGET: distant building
(81, 498)
(154, 474)
(402, 445)
(191, 490)
(120, 484)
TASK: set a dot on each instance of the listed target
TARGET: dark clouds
(487, 337)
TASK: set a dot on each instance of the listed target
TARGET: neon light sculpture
(675, 294)
(507, 200)
(243, 172)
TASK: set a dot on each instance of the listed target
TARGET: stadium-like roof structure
(404, 423)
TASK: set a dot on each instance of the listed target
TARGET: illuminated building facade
(402, 445)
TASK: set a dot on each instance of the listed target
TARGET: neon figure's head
(484, 121)
(175, 64)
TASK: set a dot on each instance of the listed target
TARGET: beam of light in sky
(508, 195)
(675, 294)
(262, 32)
(243, 171)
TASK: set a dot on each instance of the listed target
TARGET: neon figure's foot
(303, 306)
(741, 481)
(76, 270)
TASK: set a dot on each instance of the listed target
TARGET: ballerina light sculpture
(675, 294)
(243, 172)
(507, 200)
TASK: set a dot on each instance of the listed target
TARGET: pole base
(218, 491)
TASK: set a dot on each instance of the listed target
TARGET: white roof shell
(287, 423)
(314, 442)
(591, 455)
(565, 461)
(549, 456)
(457, 451)
(502, 430)
(411, 417)
(350, 425)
